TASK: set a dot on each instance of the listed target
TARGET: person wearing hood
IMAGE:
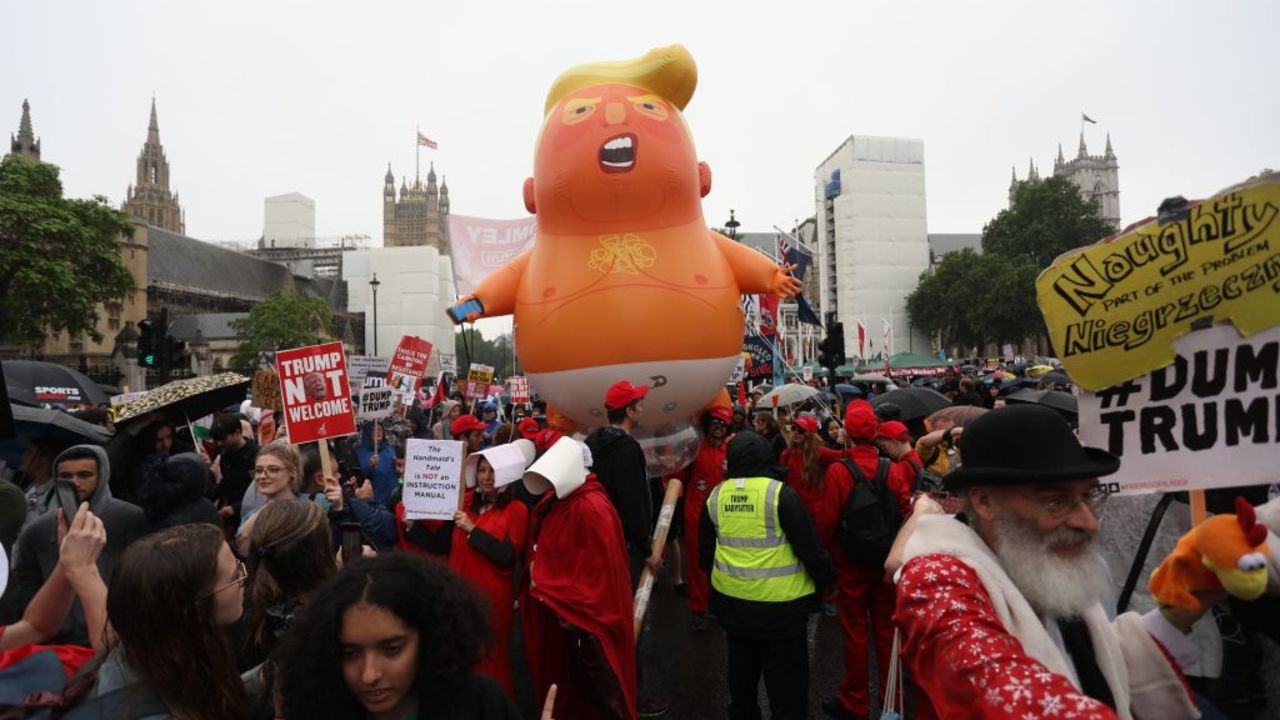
(449, 411)
(576, 604)
(173, 494)
(700, 478)
(489, 416)
(489, 536)
(768, 571)
(36, 553)
(377, 461)
(864, 598)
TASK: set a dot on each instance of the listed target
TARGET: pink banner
(478, 246)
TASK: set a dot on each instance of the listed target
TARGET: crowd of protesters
(233, 578)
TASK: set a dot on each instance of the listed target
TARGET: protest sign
(478, 379)
(375, 403)
(1210, 419)
(367, 370)
(519, 388)
(408, 364)
(1113, 309)
(807, 373)
(761, 367)
(478, 246)
(266, 390)
(449, 363)
(317, 398)
(432, 479)
(739, 370)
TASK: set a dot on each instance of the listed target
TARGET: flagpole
(417, 152)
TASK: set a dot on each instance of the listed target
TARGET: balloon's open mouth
(618, 154)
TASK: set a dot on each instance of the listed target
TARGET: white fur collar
(944, 535)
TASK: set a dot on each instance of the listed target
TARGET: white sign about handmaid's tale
(1209, 420)
(432, 479)
(376, 403)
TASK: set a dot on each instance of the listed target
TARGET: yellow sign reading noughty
(1113, 309)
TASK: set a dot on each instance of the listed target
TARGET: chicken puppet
(624, 279)
(1224, 551)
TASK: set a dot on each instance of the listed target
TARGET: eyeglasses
(1060, 505)
(242, 574)
(272, 470)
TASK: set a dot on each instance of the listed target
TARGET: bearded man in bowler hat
(1001, 606)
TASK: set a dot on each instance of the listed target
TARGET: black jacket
(750, 455)
(237, 473)
(172, 492)
(619, 465)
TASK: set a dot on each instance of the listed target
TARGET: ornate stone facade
(149, 200)
(25, 144)
(419, 216)
(1097, 176)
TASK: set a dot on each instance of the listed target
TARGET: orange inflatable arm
(754, 272)
(497, 291)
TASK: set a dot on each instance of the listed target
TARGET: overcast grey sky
(261, 98)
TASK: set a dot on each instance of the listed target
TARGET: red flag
(440, 394)
(862, 339)
(768, 314)
(742, 393)
(424, 140)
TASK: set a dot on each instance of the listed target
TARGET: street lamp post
(732, 226)
(373, 285)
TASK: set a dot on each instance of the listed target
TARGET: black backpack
(928, 480)
(870, 519)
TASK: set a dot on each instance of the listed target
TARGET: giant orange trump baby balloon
(624, 279)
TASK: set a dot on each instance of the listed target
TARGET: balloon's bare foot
(560, 421)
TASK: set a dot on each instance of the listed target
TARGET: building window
(113, 323)
(152, 174)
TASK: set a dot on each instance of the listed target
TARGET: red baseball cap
(623, 393)
(860, 421)
(529, 428)
(721, 413)
(544, 439)
(466, 423)
(807, 423)
(893, 430)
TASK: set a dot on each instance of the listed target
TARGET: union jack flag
(424, 140)
(783, 247)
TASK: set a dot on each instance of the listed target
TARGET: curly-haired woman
(396, 637)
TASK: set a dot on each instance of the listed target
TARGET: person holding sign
(488, 543)
(1000, 607)
(392, 636)
(377, 461)
(576, 605)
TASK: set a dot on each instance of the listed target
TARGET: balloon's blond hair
(668, 72)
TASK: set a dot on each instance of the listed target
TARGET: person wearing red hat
(619, 465)
(806, 460)
(864, 599)
(894, 440)
(700, 478)
(529, 428)
(470, 430)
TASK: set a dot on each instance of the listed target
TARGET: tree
(284, 320)
(61, 257)
(1047, 218)
(973, 300)
(498, 353)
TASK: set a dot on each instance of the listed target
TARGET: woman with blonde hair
(277, 475)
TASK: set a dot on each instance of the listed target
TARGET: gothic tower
(419, 216)
(149, 200)
(1097, 177)
(25, 145)
(389, 209)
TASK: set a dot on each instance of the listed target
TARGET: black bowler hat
(1025, 445)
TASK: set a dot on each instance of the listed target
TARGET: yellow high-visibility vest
(753, 559)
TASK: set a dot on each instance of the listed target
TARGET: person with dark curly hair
(393, 637)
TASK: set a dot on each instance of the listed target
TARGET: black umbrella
(915, 402)
(56, 426)
(31, 382)
(1016, 384)
(1057, 377)
(1063, 402)
(184, 400)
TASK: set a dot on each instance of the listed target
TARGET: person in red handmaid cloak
(577, 605)
(489, 540)
(1000, 607)
(700, 478)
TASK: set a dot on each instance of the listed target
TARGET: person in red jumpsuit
(488, 544)
(806, 460)
(864, 597)
(706, 471)
(894, 440)
(576, 604)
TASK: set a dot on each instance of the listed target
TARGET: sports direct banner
(317, 399)
(478, 246)
(1211, 419)
(1114, 309)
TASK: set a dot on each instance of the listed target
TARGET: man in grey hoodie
(36, 553)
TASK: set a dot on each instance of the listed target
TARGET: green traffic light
(149, 359)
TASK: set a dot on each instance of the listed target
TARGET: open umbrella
(184, 400)
(56, 426)
(956, 415)
(33, 382)
(788, 394)
(1036, 371)
(1057, 377)
(915, 402)
(870, 378)
(847, 389)
(1011, 386)
(1063, 402)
